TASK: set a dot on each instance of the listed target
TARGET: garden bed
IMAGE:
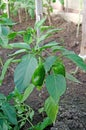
(72, 110)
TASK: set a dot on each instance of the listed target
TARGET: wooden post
(8, 8)
(39, 13)
(19, 15)
(83, 43)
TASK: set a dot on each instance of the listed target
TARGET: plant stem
(1, 62)
(30, 123)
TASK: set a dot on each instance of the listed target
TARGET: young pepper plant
(36, 70)
(47, 4)
(39, 71)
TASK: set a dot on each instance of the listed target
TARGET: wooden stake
(7, 7)
(19, 15)
(39, 13)
(83, 43)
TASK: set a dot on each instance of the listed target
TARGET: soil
(72, 107)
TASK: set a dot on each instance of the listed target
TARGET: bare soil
(72, 110)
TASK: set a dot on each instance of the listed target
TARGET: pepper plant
(47, 4)
(27, 6)
(34, 70)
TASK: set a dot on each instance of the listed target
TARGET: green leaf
(27, 92)
(20, 45)
(47, 34)
(43, 28)
(4, 70)
(24, 71)
(18, 52)
(51, 108)
(54, 30)
(72, 78)
(2, 97)
(40, 23)
(3, 123)
(5, 30)
(31, 12)
(12, 35)
(58, 48)
(10, 112)
(28, 38)
(16, 61)
(31, 115)
(76, 59)
(49, 45)
(56, 86)
(5, 126)
(41, 110)
(41, 126)
(6, 21)
(3, 41)
(42, 38)
(49, 62)
(16, 127)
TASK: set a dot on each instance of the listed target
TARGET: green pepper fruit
(59, 68)
(39, 75)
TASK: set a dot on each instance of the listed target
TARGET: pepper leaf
(27, 92)
(4, 70)
(56, 86)
(10, 112)
(24, 71)
(51, 108)
(49, 62)
(75, 58)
